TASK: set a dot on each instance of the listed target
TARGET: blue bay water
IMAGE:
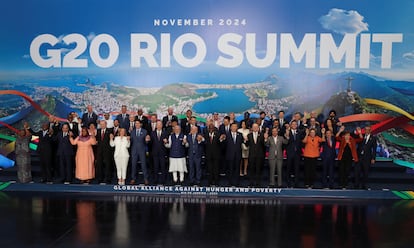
(233, 100)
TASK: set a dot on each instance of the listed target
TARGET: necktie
(255, 137)
(275, 139)
(234, 138)
(294, 134)
(366, 139)
(330, 142)
(64, 135)
(102, 134)
(137, 133)
(211, 137)
(158, 135)
(90, 116)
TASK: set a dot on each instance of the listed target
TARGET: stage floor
(240, 192)
(113, 219)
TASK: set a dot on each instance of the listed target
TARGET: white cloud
(343, 21)
(409, 56)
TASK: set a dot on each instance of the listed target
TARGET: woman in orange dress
(85, 168)
(311, 154)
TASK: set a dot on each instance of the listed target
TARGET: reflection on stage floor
(74, 220)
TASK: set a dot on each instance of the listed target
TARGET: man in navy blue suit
(159, 153)
(328, 156)
(367, 151)
(293, 151)
(195, 142)
(89, 117)
(139, 139)
(233, 156)
(123, 118)
(65, 153)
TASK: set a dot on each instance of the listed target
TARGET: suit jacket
(144, 122)
(212, 146)
(103, 143)
(44, 147)
(165, 120)
(123, 122)
(188, 129)
(222, 130)
(233, 149)
(194, 148)
(255, 149)
(65, 148)
(86, 121)
(353, 147)
(183, 124)
(329, 152)
(276, 149)
(294, 145)
(115, 131)
(138, 143)
(158, 148)
(74, 129)
(367, 150)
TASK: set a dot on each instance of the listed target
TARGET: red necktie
(102, 134)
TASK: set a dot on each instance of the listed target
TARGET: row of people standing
(214, 143)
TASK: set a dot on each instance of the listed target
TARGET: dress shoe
(132, 182)
(146, 182)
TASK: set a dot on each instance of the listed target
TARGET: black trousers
(104, 166)
(65, 168)
(234, 171)
(362, 166)
(310, 169)
(46, 164)
(344, 167)
(293, 163)
(213, 167)
(160, 169)
(255, 170)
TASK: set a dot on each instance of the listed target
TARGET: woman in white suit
(121, 155)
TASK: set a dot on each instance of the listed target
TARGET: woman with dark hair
(245, 150)
(85, 167)
(347, 153)
(23, 162)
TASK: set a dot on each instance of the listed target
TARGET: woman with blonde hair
(121, 154)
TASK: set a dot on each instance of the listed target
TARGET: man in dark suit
(192, 123)
(123, 118)
(73, 125)
(263, 124)
(213, 153)
(159, 153)
(256, 143)
(65, 153)
(367, 151)
(139, 139)
(281, 118)
(131, 124)
(89, 117)
(44, 149)
(195, 143)
(143, 119)
(185, 121)
(115, 130)
(104, 154)
(233, 154)
(293, 151)
(275, 143)
(224, 129)
(169, 118)
(328, 156)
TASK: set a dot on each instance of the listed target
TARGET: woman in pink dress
(85, 168)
